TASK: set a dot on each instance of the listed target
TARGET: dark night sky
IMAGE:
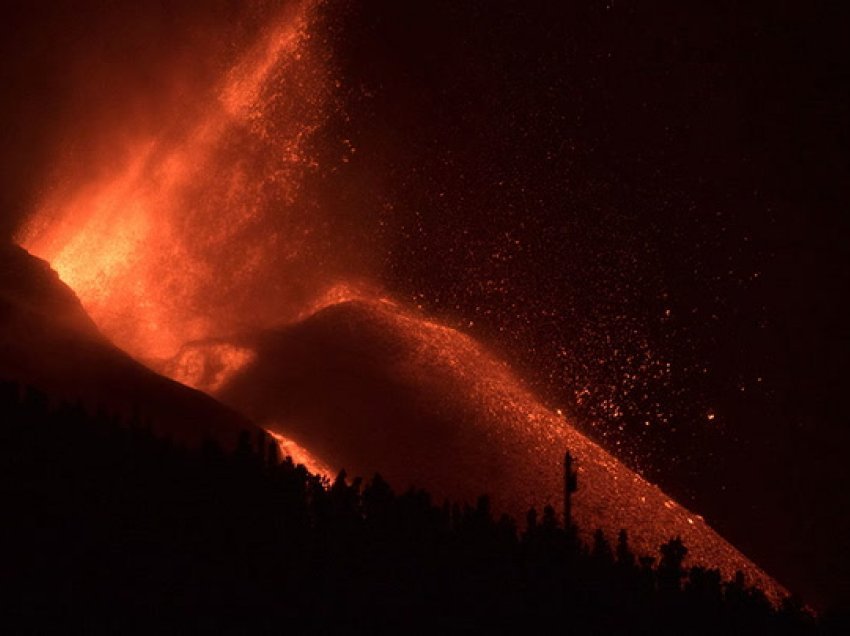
(642, 205)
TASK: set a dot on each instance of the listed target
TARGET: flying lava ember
(191, 234)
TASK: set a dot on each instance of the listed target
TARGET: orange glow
(160, 245)
(210, 368)
(493, 421)
(198, 235)
(300, 455)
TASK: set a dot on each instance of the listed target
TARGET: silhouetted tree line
(109, 528)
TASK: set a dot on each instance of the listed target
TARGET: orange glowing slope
(48, 341)
(370, 387)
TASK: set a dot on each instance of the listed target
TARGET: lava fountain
(198, 227)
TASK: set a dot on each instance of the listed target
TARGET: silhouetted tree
(670, 571)
(625, 557)
(240, 541)
(601, 550)
(570, 486)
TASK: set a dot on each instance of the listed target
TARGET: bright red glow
(189, 235)
(167, 245)
(300, 455)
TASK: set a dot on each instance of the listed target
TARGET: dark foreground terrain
(108, 527)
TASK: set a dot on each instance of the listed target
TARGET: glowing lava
(301, 455)
(374, 387)
(173, 236)
(190, 234)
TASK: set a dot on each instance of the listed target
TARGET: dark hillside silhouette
(48, 341)
(111, 528)
(372, 386)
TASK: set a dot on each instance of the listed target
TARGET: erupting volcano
(200, 245)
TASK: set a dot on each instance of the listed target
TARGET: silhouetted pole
(570, 486)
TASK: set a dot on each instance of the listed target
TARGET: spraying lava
(198, 228)
(200, 252)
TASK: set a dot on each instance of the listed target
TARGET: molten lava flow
(187, 236)
(300, 455)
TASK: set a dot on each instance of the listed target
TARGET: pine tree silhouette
(570, 486)
(670, 571)
(625, 557)
(243, 542)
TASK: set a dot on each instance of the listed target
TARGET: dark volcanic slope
(370, 387)
(48, 341)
